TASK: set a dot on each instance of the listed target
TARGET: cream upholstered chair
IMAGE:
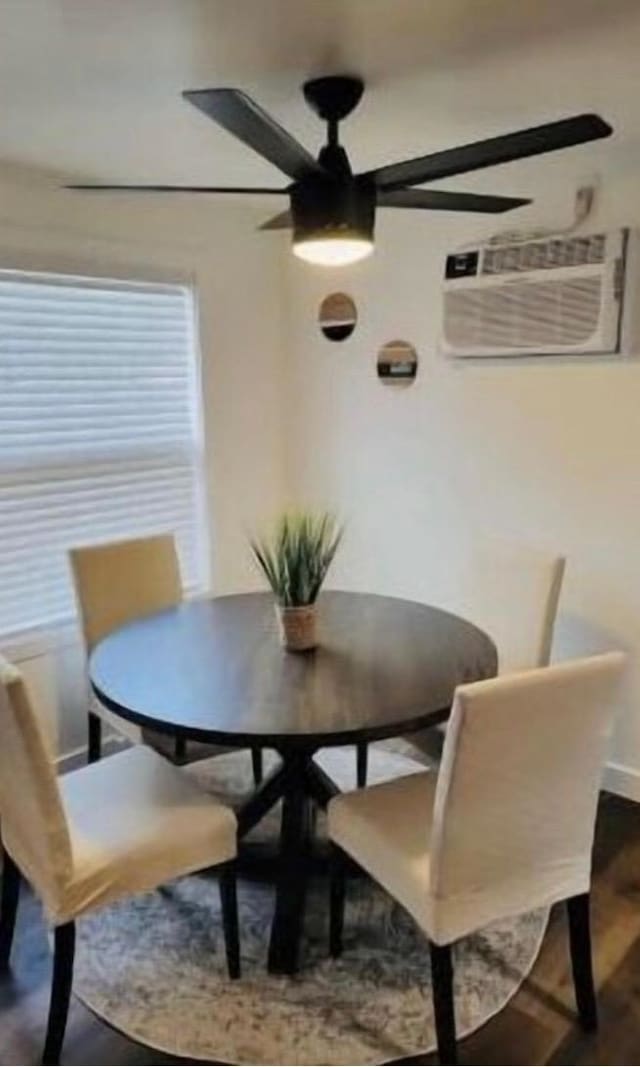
(504, 826)
(120, 826)
(116, 583)
(512, 592)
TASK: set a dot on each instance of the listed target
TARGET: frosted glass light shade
(332, 251)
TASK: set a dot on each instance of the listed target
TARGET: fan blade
(439, 200)
(283, 221)
(532, 142)
(176, 189)
(247, 121)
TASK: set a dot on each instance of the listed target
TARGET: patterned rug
(154, 967)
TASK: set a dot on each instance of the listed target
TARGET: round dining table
(214, 670)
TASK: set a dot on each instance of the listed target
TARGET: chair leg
(581, 961)
(229, 902)
(443, 1006)
(8, 906)
(64, 949)
(94, 749)
(256, 762)
(337, 900)
(362, 759)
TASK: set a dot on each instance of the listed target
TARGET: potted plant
(295, 560)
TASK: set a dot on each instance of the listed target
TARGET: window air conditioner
(564, 295)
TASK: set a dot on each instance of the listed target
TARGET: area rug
(154, 967)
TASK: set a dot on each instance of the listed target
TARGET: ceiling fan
(332, 210)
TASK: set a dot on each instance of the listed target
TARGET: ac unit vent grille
(544, 255)
(523, 315)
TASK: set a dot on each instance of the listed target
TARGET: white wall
(546, 453)
(239, 293)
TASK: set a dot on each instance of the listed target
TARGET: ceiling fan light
(333, 220)
(332, 251)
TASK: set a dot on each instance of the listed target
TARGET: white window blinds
(98, 431)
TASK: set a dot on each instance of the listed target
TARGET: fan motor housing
(331, 208)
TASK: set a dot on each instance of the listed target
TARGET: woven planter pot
(297, 627)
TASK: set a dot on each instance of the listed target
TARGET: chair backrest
(33, 824)
(512, 592)
(518, 787)
(124, 580)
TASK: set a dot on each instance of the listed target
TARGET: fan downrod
(333, 97)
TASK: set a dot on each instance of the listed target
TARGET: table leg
(292, 871)
(268, 793)
(319, 785)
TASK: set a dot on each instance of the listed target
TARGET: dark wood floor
(537, 1027)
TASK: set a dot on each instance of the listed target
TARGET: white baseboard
(623, 780)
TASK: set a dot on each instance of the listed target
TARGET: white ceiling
(91, 88)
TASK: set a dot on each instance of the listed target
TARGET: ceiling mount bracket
(333, 98)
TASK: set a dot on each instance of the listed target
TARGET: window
(99, 432)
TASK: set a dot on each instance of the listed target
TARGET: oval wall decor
(397, 363)
(337, 316)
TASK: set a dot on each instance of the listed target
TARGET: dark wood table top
(214, 670)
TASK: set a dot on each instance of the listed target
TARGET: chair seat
(386, 829)
(135, 822)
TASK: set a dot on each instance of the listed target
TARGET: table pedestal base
(299, 783)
